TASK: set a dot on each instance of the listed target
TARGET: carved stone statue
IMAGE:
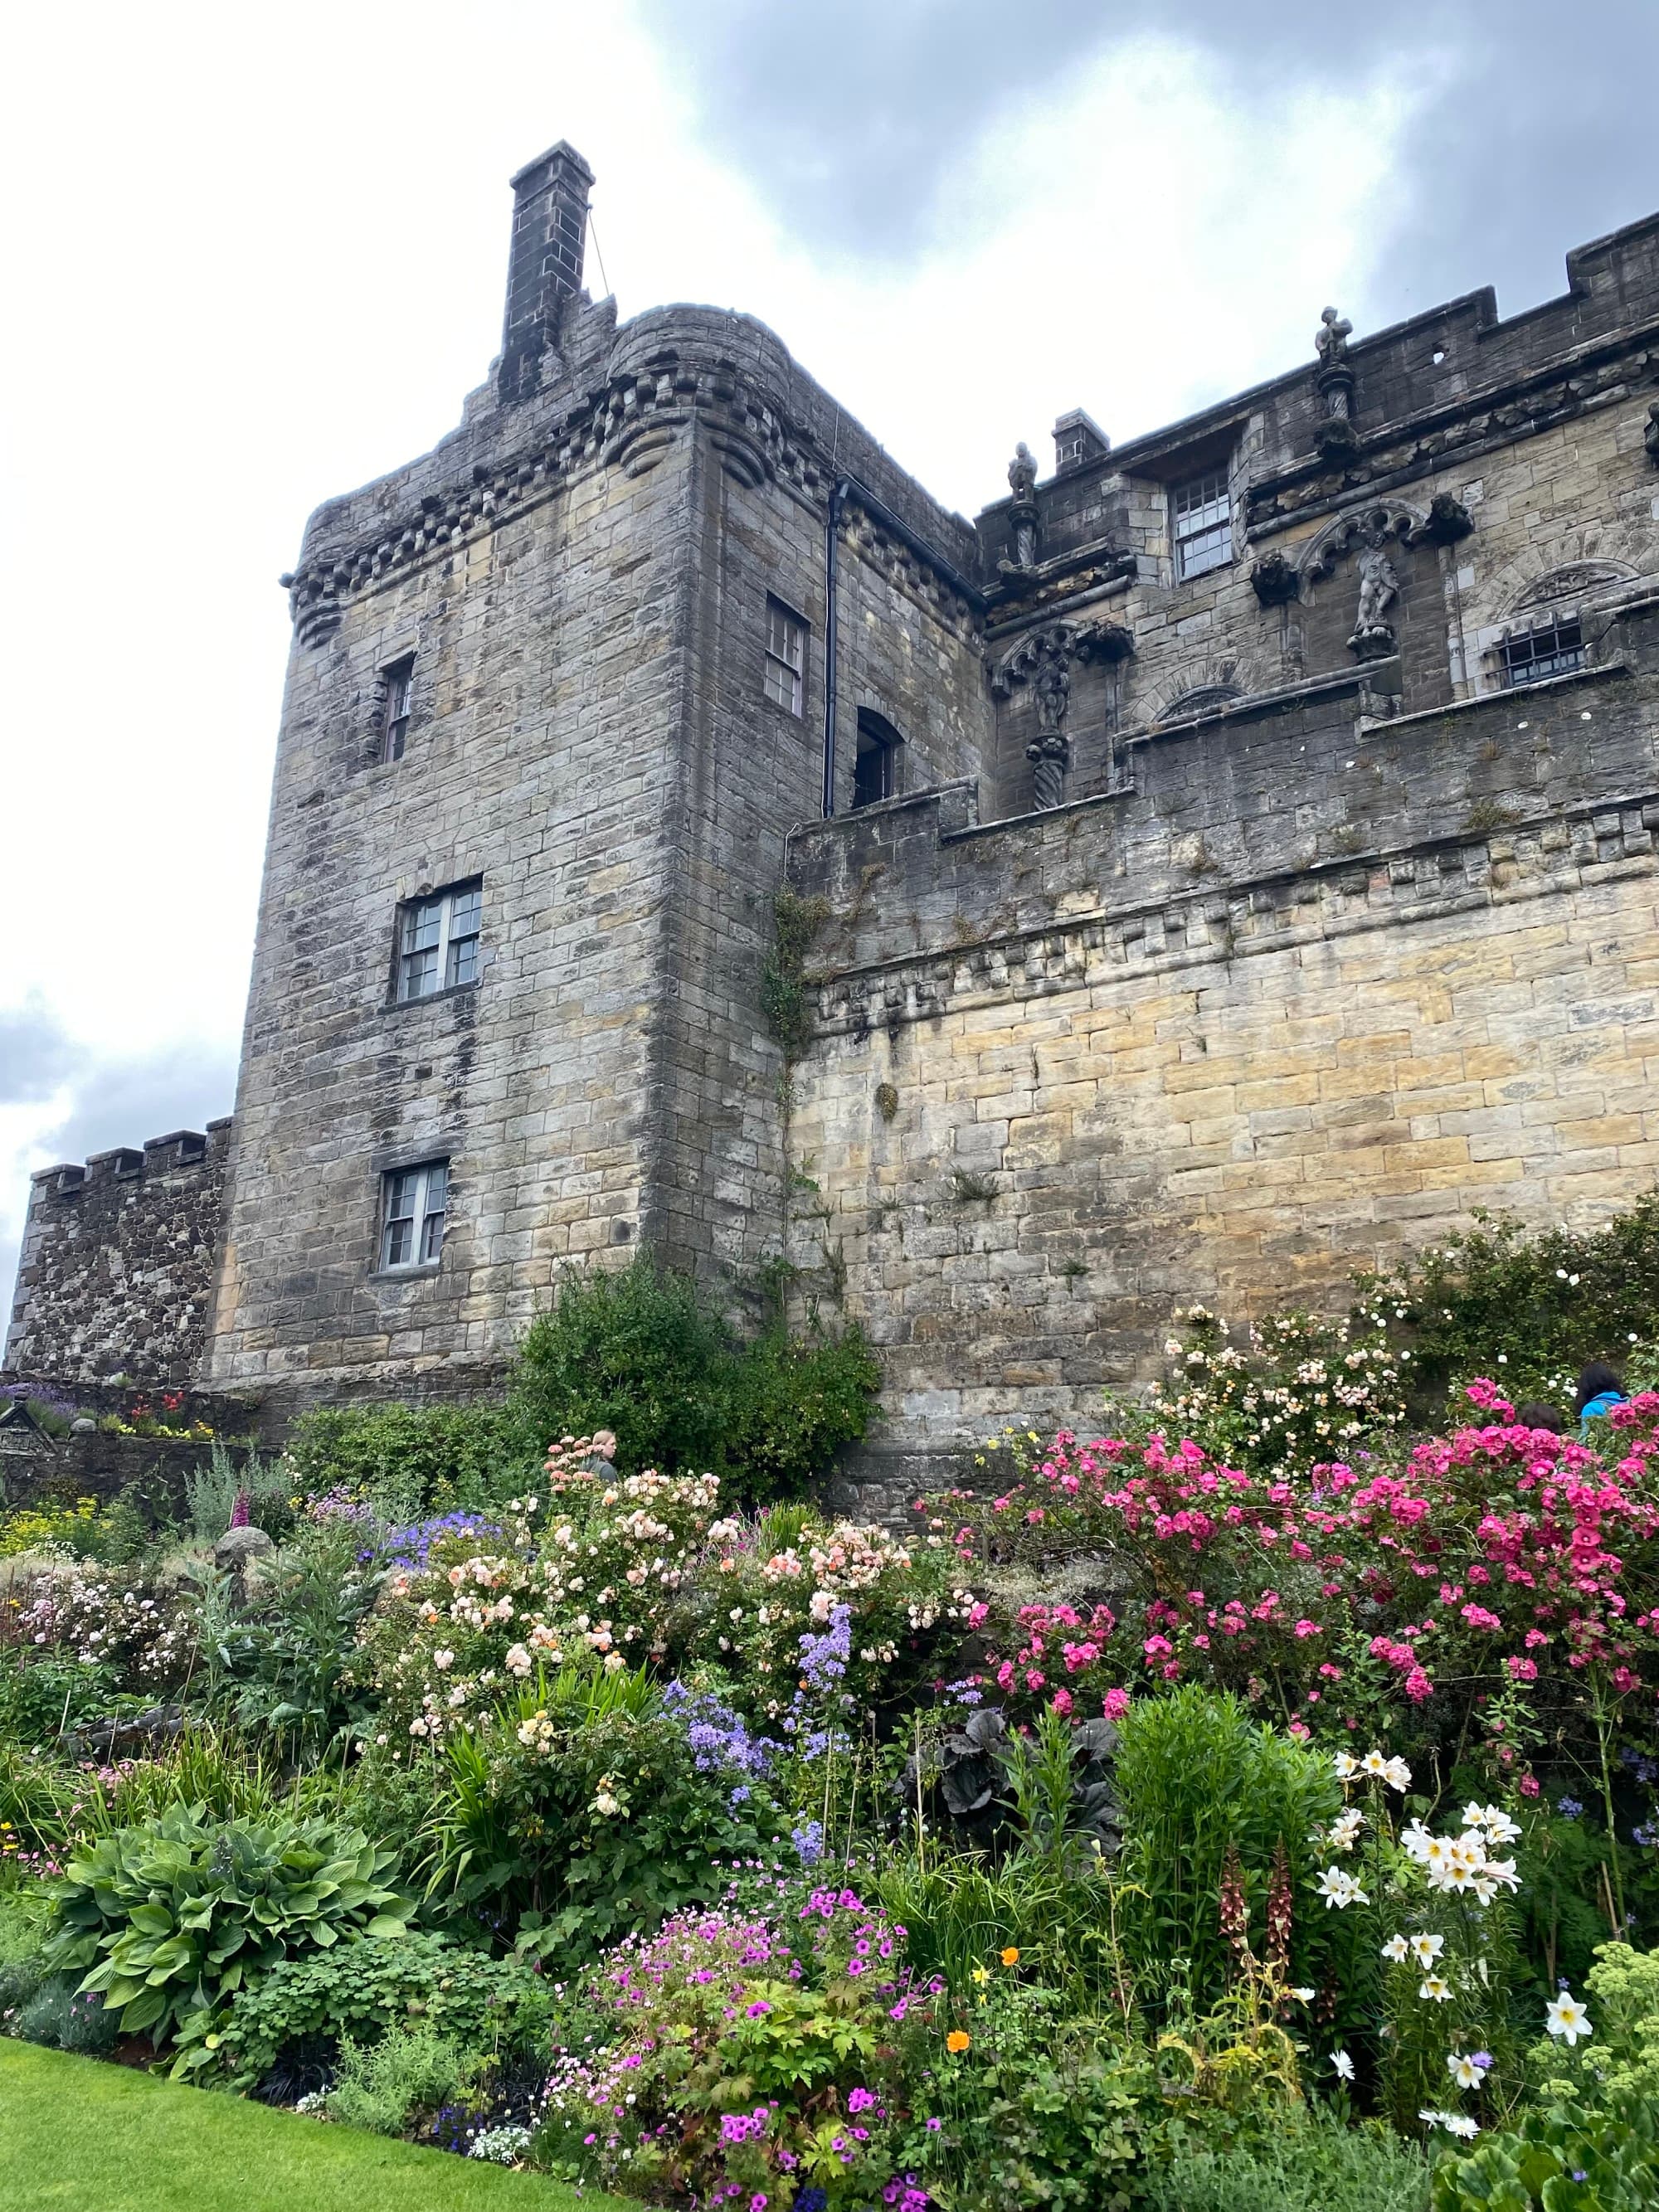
(1331, 340)
(1379, 587)
(1022, 481)
(1650, 435)
(1050, 752)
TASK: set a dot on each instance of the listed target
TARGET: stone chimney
(550, 229)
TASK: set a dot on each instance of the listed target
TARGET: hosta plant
(167, 1920)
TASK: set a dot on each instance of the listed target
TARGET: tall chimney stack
(550, 230)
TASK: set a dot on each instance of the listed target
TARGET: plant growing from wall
(795, 922)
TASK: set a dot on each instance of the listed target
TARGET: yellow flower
(1010, 1956)
(956, 2040)
(981, 1974)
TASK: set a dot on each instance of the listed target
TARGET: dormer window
(1554, 647)
(875, 769)
(1201, 512)
(397, 685)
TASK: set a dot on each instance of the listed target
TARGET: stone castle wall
(116, 1274)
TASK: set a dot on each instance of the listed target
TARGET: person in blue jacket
(1599, 1391)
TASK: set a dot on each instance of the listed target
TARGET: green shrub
(167, 1920)
(1320, 2166)
(24, 1915)
(795, 1402)
(413, 1459)
(366, 1988)
(1564, 2159)
(211, 1491)
(382, 2085)
(640, 1352)
(634, 1350)
(46, 1695)
(1545, 1301)
(54, 2013)
(1198, 1777)
(1621, 2059)
(578, 1812)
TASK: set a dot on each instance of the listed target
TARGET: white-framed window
(1554, 647)
(398, 683)
(1201, 510)
(413, 1204)
(786, 658)
(438, 941)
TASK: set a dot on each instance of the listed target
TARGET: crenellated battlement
(117, 1266)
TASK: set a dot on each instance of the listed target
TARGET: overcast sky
(256, 256)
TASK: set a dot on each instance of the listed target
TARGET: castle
(1228, 860)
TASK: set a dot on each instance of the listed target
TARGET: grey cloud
(1533, 133)
(35, 1055)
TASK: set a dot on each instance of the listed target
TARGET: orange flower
(1010, 1956)
(956, 2040)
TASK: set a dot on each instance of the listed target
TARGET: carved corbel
(1275, 580)
(1446, 522)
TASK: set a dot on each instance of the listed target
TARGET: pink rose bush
(1493, 1563)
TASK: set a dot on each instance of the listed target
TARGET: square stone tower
(557, 695)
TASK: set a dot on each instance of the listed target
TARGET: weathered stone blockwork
(1233, 920)
(117, 1266)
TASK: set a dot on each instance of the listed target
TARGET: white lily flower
(1342, 2065)
(1567, 2018)
(1397, 1950)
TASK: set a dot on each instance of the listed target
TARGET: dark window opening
(875, 767)
(398, 681)
(1553, 649)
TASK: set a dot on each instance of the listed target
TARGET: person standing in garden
(1599, 1391)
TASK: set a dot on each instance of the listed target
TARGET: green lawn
(79, 2136)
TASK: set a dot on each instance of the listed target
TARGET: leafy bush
(638, 1351)
(1026, 2106)
(1531, 1306)
(382, 2085)
(581, 1810)
(365, 1988)
(1563, 2160)
(1622, 2059)
(167, 1920)
(1319, 2166)
(24, 1915)
(1301, 1391)
(1203, 1785)
(746, 2054)
(46, 1694)
(1493, 1577)
(55, 2013)
(211, 1493)
(65, 1527)
(415, 1458)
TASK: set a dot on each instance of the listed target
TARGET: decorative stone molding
(630, 422)
(1275, 580)
(1372, 522)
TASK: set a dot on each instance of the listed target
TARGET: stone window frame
(1551, 642)
(456, 955)
(788, 637)
(406, 1196)
(394, 688)
(878, 736)
(1204, 503)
